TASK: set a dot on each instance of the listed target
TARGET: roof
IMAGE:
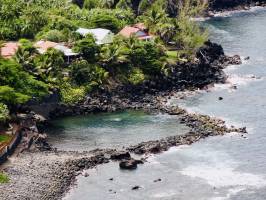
(9, 49)
(67, 51)
(140, 26)
(128, 31)
(42, 45)
(138, 29)
(98, 33)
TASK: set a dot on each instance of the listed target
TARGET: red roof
(128, 31)
(137, 29)
(9, 49)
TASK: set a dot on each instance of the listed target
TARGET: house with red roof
(42, 46)
(139, 30)
(9, 49)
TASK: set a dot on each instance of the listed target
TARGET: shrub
(71, 95)
(54, 36)
(84, 73)
(88, 48)
(16, 85)
(3, 178)
(136, 77)
(4, 112)
(90, 4)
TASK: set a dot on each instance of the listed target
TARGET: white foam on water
(236, 12)
(236, 80)
(224, 176)
(164, 194)
(231, 192)
(116, 119)
(220, 171)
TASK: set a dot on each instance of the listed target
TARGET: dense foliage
(30, 74)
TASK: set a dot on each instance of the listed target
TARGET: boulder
(130, 164)
(120, 155)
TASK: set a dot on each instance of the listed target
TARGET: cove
(111, 130)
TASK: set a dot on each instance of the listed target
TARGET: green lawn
(4, 138)
(3, 178)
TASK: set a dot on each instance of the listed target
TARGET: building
(139, 30)
(102, 36)
(42, 46)
(9, 49)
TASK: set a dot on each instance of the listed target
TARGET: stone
(136, 187)
(120, 155)
(128, 164)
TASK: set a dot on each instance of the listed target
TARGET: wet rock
(86, 174)
(247, 58)
(120, 155)
(136, 187)
(111, 179)
(220, 98)
(157, 180)
(129, 164)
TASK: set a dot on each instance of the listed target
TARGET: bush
(4, 112)
(88, 48)
(3, 178)
(16, 85)
(71, 95)
(10, 96)
(54, 36)
(90, 4)
(136, 77)
(84, 73)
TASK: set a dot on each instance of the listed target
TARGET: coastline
(242, 7)
(50, 174)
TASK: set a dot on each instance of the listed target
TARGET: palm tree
(114, 54)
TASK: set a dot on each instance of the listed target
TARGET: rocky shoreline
(48, 175)
(221, 8)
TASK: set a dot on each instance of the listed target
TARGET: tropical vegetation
(128, 61)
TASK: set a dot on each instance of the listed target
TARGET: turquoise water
(218, 168)
(111, 130)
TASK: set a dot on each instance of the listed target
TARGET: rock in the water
(247, 58)
(129, 164)
(220, 98)
(120, 155)
(157, 180)
(136, 187)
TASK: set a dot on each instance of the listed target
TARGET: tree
(190, 37)
(114, 54)
(86, 74)
(50, 64)
(17, 86)
(25, 55)
(88, 48)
